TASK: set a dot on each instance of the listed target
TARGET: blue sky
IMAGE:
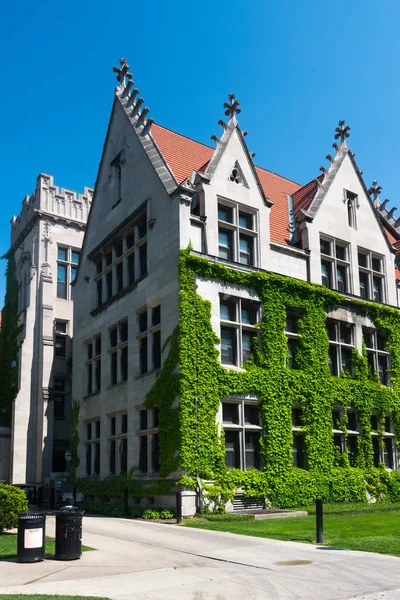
(296, 67)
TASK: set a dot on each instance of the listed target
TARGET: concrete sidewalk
(137, 560)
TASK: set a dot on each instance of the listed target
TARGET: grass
(369, 531)
(44, 597)
(8, 547)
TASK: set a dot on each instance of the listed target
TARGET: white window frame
(237, 232)
(238, 326)
(242, 427)
(339, 345)
(334, 262)
(372, 274)
(69, 265)
(352, 434)
(376, 353)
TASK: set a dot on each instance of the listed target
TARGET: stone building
(158, 192)
(46, 240)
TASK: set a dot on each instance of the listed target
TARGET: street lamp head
(68, 456)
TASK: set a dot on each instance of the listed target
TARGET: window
(118, 444)
(384, 441)
(292, 336)
(378, 356)
(60, 339)
(59, 398)
(118, 351)
(352, 205)
(67, 266)
(92, 444)
(237, 234)
(341, 347)
(372, 275)
(123, 261)
(116, 178)
(349, 442)
(149, 338)
(335, 264)
(298, 447)
(236, 176)
(93, 365)
(242, 429)
(149, 452)
(238, 318)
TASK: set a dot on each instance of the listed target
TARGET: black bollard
(178, 507)
(319, 521)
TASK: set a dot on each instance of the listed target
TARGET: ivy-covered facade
(238, 333)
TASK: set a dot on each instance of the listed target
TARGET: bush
(13, 500)
(347, 485)
(166, 514)
(150, 513)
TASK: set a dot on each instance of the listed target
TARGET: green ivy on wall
(9, 333)
(201, 382)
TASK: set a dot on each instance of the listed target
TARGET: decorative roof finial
(232, 107)
(342, 131)
(375, 190)
(123, 71)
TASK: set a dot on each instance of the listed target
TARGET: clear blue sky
(296, 67)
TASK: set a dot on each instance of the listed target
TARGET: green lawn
(8, 547)
(372, 531)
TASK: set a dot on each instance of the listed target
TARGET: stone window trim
(341, 336)
(149, 339)
(92, 429)
(148, 440)
(117, 442)
(292, 335)
(61, 335)
(377, 355)
(121, 262)
(238, 319)
(351, 200)
(237, 233)
(236, 175)
(353, 430)
(67, 266)
(241, 423)
(335, 264)
(118, 352)
(93, 365)
(372, 275)
(388, 455)
(299, 458)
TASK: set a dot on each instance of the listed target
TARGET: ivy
(204, 382)
(9, 334)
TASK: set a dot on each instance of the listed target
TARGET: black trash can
(31, 537)
(69, 533)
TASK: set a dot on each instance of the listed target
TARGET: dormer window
(335, 264)
(352, 205)
(237, 235)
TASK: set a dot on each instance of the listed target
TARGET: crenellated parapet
(53, 203)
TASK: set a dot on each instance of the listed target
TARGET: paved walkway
(137, 560)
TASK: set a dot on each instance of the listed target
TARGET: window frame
(376, 353)
(93, 365)
(238, 328)
(149, 464)
(237, 233)
(368, 271)
(117, 352)
(69, 267)
(334, 264)
(241, 428)
(149, 339)
(340, 346)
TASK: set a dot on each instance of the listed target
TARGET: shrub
(150, 513)
(13, 500)
(166, 514)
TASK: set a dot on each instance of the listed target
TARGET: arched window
(351, 200)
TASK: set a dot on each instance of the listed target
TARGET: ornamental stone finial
(342, 132)
(122, 72)
(375, 190)
(232, 106)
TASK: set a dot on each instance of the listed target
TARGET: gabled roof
(185, 155)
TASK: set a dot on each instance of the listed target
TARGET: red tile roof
(185, 155)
